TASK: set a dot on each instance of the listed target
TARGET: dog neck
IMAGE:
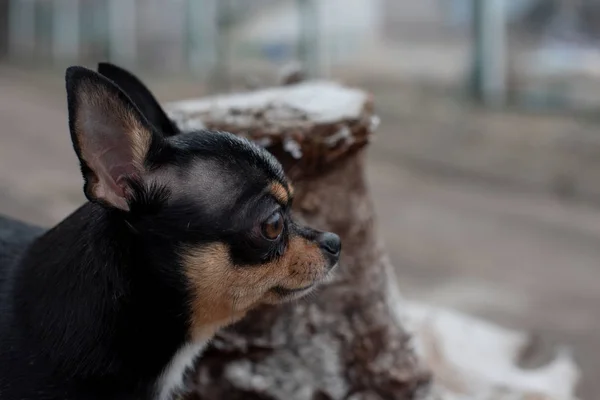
(87, 296)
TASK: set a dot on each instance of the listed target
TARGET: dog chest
(172, 379)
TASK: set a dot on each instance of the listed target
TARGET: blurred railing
(155, 34)
(197, 36)
(536, 53)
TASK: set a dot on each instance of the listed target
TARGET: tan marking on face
(222, 293)
(279, 192)
(291, 190)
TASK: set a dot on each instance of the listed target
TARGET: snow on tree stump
(351, 340)
(473, 359)
(347, 341)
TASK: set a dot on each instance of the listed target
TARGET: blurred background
(485, 169)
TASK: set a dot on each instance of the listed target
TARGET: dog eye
(273, 226)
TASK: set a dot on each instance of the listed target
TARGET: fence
(180, 35)
(531, 52)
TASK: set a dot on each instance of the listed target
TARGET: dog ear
(110, 136)
(141, 97)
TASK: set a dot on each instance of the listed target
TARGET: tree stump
(346, 341)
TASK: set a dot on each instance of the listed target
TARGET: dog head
(210, 212)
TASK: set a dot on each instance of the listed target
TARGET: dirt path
(525, 260)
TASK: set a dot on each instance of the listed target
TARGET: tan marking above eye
(280, 193)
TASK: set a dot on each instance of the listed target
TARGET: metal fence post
(221, 71)
(4, 10)
(122, 35)
(65, 30)
(309, 50)
(490, 52)
(201, 29)
(21, 28)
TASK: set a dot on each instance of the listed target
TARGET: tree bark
(347, 341)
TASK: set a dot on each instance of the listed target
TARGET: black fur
(95, 307)
(141, 97)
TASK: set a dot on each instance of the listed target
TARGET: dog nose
(331, 243)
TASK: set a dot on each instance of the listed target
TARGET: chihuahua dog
(183, 233)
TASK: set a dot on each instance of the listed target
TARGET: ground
(464, 230)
